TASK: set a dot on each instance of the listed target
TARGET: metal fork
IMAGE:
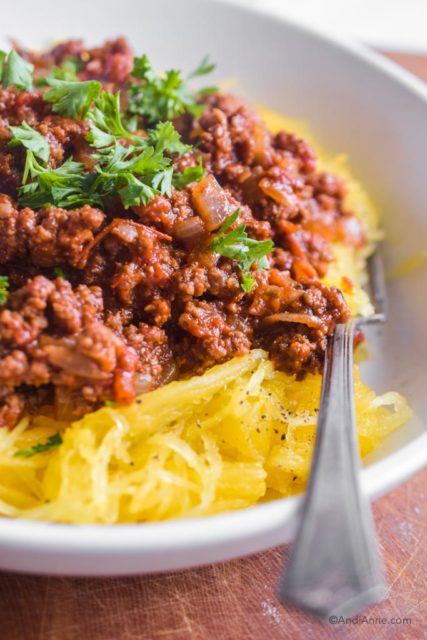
(335, 567)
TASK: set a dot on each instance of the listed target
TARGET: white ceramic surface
(402, 30)
(355, 101)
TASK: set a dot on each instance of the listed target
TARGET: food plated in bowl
(210, 254)
(151, 234)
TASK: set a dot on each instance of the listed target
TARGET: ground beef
(22, 106)
(46, 238)
(209, 336)
(110, 63)
(275, 175)
(11, 409)
(155, 358)
(107, 304)
(50, 334)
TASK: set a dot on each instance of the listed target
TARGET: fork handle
(335, 565)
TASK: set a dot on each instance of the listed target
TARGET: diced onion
(262, 143)
(127, 232)
(279, 190)
(300, 318)
(190, 231)
(63, 354)
(210, 202)
(143, 383)
(169, 372)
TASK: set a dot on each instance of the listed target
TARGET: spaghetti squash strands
(233, 436)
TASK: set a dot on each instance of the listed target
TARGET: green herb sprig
(134, 166)
(58, 272)
(41, 447)
(66, 186)
(30, 139)
(238, 246)
(163, 97)
(4, 289)
(137, 166)
(67, 70)
(111, 404)
(72, 99)
(15, 71)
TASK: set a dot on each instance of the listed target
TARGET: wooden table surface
(230, 601)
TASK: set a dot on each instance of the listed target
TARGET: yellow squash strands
(238, 434)
(224, 440)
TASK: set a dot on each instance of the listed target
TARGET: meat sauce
(106, 304)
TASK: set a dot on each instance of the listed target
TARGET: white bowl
(356, 102)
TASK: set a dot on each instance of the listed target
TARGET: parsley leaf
(111, 404)
(105, 121)
(203, 68)
(238, 246)
(3, 55)
(162, 97)
(16, 72)
(72, 99)
(189, 175)
(229, 221)
(247, 282)
(59, 273)
(166, 138)
(149, 160)
(30, 139)
(66, 186)
(140, 169)
(138, 173)
(53, 441)
(136, 166)
(4, 289)
(68, 70)
(135, 192)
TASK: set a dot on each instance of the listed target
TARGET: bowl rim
(214, 530)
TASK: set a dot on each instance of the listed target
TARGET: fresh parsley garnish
(105, 119)
(66, 186)
(15, 71)
(237, 245)
(140, 169)
(41, 447)
(247, 282)
(3, 56)
(30, 139)
(166, 138)
(111, 404)
(163, 97)
(59, 273)
(137, 171)
(202, 69)
(4, 289)
(189, 175)
(72, 99)
(66, 71)
(135, 165)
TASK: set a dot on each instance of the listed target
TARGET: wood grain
(230, 601)
(415, 63)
